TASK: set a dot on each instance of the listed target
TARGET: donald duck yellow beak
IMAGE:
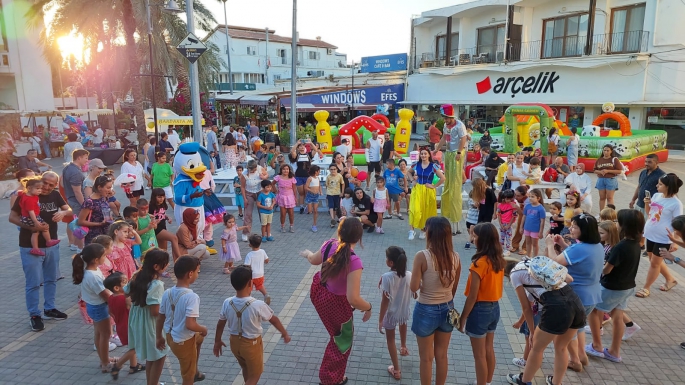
(195, 172)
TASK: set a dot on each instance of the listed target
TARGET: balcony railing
(563, 47)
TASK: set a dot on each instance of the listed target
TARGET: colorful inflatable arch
(623, 121)
(511, 138)
(384, 119)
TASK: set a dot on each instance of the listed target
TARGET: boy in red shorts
(256, 259)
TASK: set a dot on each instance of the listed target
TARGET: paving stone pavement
(63, 354)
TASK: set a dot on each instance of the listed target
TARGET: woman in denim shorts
(429, 322)
(607, 168)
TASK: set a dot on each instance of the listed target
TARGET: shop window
(313, 55)
(626, 28)
(576, 115)
(441, 46)
(490, 42)
(564, 36)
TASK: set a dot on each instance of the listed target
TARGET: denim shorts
(97, 312)
(525, 330)
(482, 320)
(311, 198)
(301, 180)
(427, 319)
(614, 299)
(610, 184)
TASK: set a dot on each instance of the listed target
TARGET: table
(109, 156)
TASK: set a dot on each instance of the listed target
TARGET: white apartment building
(25, 78)
(261, 57)
(488, 54)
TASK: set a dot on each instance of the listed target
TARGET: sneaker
(115, 340)
(210, 243)
(47, 158)
(587, 330)
(589, 349)
(264, 239)
(267, 299)
(36, 323)
(292, 228)
(73, 247)
(387, 216)
(244, 237)
(630, 331)
(314, 229)
(240, 215)
(270, 238)
(54, 314)
(412, 234)
(515, 379)
(282, 229)
(333, 223)
(548, 381)
(519, 361)
(467, 246)
(400, 216)
(112, 346)
(301, 209)
(682, 345)
(37, 252)
(422, 235)
(371, 229)
(380, 231)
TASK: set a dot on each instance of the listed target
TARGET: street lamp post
(228, 52)
(293, 80)
(194, 79)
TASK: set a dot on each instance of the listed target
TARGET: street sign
(245, 86)
(191, 47)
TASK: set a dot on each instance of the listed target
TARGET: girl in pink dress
(285, 195)
(230, 251)
(121, 255)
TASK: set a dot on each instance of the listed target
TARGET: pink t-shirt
(507, 211)
(338, 285)
(285, 186)
(122, 259)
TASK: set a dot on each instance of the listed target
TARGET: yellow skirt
(422, 206)
(450, 204)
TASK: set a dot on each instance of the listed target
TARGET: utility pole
(293, 80)
(228, 52)
(194, 80)
(266, 58)
(152, 78)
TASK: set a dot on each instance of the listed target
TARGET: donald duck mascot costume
(189, 171)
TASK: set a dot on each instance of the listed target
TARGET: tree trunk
(134, 69)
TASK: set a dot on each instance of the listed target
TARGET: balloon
(361, 175)
(151, 125)
(354, 172)
(79, 121)
(436, 179)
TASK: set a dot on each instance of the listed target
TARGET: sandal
(115, 372)
(107, 368)
(522, 252)
(575, 366)
(136, 369)
(404, 351)
(642, 293)
(227, 270)
(396, 374)
(199, 377)
(668, 286)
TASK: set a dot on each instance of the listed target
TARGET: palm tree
(105, 24)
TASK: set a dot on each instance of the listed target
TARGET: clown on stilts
(455, 137)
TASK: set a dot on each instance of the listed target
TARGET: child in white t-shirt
(256, 259)
(179, 311)
(395, 304)
(244, 315)
(346, 203)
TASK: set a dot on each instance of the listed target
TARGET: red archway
(622, 120)
(384, 119)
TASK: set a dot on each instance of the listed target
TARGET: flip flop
(396, 374)
(642, 293)
(404, 351)
(668, 286)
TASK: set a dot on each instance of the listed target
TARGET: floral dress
(232, 253)
(122, 258)
(99, 210)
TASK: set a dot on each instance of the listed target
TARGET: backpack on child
(549, 273)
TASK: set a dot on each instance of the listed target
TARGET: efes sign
(514, 85)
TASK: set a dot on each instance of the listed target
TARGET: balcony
(557, 48)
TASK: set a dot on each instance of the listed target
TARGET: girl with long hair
(435, 271)
(335, 294)
(95, 213)
(158, 210)
(146, 291)
(285, 184)
(607, 168)
(424, 204)
(395, 301)
(481, 313)
(86, 273)
(230, 151)
(121, 247)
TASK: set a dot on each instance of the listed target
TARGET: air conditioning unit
(329, 51)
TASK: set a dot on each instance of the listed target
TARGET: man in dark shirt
(649, 177)
(43, 269)
(164, 145)
(388, 149)
(29, 161)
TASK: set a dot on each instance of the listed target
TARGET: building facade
(489, 54)
(260, 57)
(25, 78)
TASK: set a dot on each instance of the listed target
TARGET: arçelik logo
(531, 85)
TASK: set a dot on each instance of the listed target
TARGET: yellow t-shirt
(333, 184)
(490, 289)
(501, 173)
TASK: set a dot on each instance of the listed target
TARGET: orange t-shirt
(491, 283)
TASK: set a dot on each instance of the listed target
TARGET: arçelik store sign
(541, 84)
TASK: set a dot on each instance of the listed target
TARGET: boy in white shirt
(244, 316)
(256, 259)
(178, 315)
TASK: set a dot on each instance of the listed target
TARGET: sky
(357, 27)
